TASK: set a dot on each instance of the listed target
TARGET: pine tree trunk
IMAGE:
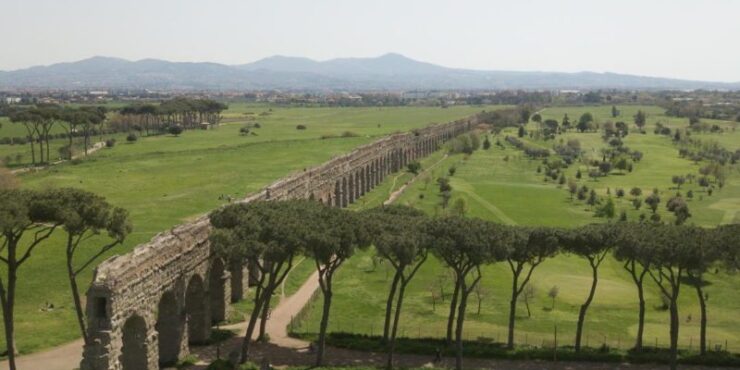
(396, 320)
(453, 307)
(46, 137)
(459, 330)
(259, 300)
(265, 314)
(69, 151)
(389, 305)
(674, 332)
(41, 149)
(76, 297)
(8, 302)
(584, 308)
(703, 327)
(323, 326)
(512, 312)
(641, 318)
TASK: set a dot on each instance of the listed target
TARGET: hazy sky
(671, 38)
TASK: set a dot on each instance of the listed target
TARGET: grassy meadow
(165, 180)
(501, 184)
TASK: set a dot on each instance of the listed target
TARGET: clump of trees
(188, 113)
(500, 119)
(28, 218)
(40, 120)
(530, 151)
(466, 143)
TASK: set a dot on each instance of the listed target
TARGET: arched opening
(358, 184)
(351, 186)
(170, 325)
(216, 291)
(337, 194)
(345, 192)
(134, 350)
(361, 182)
(368, 179)
(195, 306)
(238, 283)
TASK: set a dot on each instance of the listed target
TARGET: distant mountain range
(387, 72)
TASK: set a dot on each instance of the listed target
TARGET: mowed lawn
(165, 180)
(502, 185)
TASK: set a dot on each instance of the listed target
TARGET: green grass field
(164, 181)
(511, 191)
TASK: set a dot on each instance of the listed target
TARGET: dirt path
(64, 357)
(94, 148)
(394, 195)
(282, 285)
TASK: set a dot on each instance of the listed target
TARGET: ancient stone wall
(145, 307)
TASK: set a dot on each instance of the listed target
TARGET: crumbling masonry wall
(145, 307)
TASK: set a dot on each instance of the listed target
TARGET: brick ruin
(145, 307)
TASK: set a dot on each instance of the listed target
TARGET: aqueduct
(144, 308)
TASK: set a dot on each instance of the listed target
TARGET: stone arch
(368, 178)
(338, 194)
(238, 281)
(351, 187)
(216, 291)
(358, 185)
(376, 172)
(345, 192)
(170, 327)
(362, 183)
(135, 349)
(197, 311)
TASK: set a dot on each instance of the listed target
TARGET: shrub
(175, 130)
(220, 364)
(300, 127)
(132, 138)
(414, 167)
(64, 152)
(110, 143)
(444, 184)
